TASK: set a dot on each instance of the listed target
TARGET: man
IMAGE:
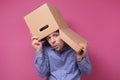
(56, 60)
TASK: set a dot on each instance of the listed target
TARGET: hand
(82, 52)
(36, 43)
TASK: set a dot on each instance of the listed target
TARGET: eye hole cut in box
(44, 27)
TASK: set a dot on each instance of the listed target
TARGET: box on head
(46, 19)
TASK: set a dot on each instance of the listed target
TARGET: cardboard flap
(72, 39)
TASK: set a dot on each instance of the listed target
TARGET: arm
(41, 63)
(83, 60)
(85, 65)
(41, 60)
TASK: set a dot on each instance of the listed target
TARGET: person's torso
(63, 65)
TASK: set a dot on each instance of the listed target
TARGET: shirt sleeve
(41, 63)
(85, 65)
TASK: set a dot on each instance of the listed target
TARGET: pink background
(96, 20)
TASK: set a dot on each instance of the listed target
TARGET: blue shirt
(61, 65)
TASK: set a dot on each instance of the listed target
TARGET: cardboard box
(44, 20)
(72, 39)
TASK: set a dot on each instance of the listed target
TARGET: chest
(61, 60)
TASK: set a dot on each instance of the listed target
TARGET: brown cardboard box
(44, 20)
(72, 39)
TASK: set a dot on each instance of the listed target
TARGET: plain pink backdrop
(98, 21)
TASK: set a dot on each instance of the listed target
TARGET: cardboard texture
(44, 20)
(72, 39)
